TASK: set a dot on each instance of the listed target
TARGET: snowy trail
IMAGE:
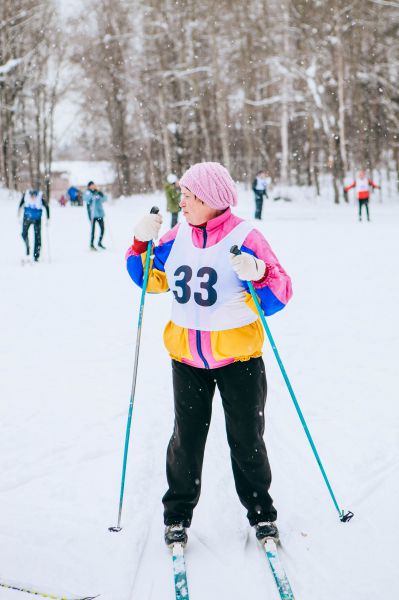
(66, 357)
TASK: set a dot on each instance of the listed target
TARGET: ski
(280, 577)
(29, 590)
(179, 571)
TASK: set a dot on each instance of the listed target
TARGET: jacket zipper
(199, 348)
(198, 333)
(205, 237)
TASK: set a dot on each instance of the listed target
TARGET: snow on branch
(187, 72)
(274, 100)
(386, 3)
(9, 65)
(185, 103)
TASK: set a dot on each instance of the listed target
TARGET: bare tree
(309, 92)
(30, 59)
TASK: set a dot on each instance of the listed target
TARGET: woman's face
(195, 211)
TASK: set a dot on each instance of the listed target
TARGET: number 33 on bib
(208, 295)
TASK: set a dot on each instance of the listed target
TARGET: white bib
(261, 184)
(362, 185)
(208, 295)
(33, 201)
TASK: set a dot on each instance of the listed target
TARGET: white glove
(148, 228)
(247, 267)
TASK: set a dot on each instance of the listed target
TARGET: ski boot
(101, 246)
(266, 530)
(175, 534)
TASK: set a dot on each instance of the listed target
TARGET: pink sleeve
(169, 235)
(276, 278)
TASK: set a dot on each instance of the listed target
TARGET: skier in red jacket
(362, 184)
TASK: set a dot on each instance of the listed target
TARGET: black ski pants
(243, 389)
(100, 222)
(364, 202)
(258, 204)
(37, 225)
(174, 218)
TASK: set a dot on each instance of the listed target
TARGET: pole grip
(235, 250)
(154, 210)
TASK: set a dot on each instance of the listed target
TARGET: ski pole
(118, 527)
(48, 241)
(342, 515)
(92, 222)
(30, 590)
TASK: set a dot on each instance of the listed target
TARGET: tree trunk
(165, 132)
(341, 106)
(284, 176)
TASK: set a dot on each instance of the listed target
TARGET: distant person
(33, 202)
(73, 194)
(94, 199)
(362, 184)
(259, 188)
(172, 192)
(63, 200)
(91, 186)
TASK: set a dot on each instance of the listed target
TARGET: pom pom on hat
(211, 183)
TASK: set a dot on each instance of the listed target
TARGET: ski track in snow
(66, 359)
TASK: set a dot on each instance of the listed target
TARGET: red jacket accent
(362, 194)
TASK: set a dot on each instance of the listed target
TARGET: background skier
(74, 195)
(33, 201)
(362, 184)
(259, 188)
(214, 338)
(172, 192)
(94, 199)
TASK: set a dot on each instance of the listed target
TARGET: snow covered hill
(66, 357)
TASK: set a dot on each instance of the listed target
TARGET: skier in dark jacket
(33, 202)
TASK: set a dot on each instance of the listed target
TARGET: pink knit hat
(211, 183)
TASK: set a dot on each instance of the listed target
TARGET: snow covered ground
(66, 354)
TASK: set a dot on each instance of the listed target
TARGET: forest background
(302, 88)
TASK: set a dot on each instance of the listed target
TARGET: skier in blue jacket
(94, 199)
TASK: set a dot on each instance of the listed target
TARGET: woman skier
(214, 338)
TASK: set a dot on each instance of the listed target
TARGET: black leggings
(364, 202)
(243, 390)
(100, 222)
(37, 225)
(258, 204)
(174, 219)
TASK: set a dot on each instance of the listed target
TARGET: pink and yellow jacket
(212, 349)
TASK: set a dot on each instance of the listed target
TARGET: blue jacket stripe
(161, 255)
(135, 269)
(269, 302)
(135, 265)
